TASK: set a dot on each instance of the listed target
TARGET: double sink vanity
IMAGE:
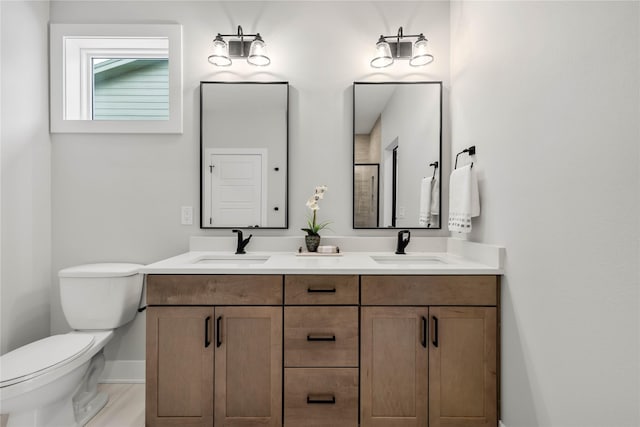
(364, 337)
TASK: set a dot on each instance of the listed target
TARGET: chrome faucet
(241, 243)
(402, 241)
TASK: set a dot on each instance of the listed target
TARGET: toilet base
(87, 402)
(59, 414)
(56, 414)
(92, 408)
(76, 407)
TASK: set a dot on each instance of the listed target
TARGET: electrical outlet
(401, 212)
(187, 215)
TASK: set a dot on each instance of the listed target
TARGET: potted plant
(312, 239)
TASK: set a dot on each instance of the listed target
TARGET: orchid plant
(314, 228)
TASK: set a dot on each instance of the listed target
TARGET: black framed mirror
(397, 153)
(244, 154)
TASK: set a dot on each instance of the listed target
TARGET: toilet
(53, 382)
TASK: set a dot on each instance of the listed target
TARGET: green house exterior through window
(130, 89)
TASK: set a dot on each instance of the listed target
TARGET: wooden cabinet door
(394, 366)
(179, 366)
(462, 367)
(248, 366)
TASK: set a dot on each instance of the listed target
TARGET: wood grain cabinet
(394, 366)
(214, 365)
(179, 377)
(424, 362)
(321, 351)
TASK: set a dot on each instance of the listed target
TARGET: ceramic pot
(312, 243)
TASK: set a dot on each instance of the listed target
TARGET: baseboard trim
(501, 424)
(123, 371)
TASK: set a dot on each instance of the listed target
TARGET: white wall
(118, 197)
(549, 93)
(25, 174)
(417, 131)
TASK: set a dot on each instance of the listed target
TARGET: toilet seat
(40, 357)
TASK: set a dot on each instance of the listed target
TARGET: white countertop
(460, 258)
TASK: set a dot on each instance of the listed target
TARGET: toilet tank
(100, 296)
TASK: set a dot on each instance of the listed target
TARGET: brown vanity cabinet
(214, 350)
(429, 351)
(179, 371)
(394, 367)
(321, 351)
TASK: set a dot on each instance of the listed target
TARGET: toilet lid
(41, 356)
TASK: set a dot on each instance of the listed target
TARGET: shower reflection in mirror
(397, 142)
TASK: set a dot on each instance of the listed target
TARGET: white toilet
(53, 382)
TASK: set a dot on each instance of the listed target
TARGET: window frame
(73, 46)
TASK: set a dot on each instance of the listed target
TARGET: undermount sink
(406, 260)
(231, 259)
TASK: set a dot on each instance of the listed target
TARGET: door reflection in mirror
(244, 142)
(397, 134)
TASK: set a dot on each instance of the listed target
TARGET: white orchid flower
(310, 202)
(313, 227)
(320, 190)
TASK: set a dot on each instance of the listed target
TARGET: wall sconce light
(387, 52)
(255, 50)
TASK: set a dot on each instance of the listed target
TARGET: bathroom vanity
(364, 339)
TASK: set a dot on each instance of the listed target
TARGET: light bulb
(382, 56)
(420, 56)
(258, 53)
(220, 56)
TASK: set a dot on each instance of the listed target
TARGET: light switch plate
(187, 215)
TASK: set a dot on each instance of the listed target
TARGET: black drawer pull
(424, 332)
(323, 399)
(218, 332)
(207, 339)
(321, 290)
(319, 337)
(434, 341)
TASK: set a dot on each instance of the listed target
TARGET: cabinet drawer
(320, 336)
(194, 289)
(324, 290)
(429, 290)
(315, 397)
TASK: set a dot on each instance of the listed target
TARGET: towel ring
(471, 150)
(435, 168)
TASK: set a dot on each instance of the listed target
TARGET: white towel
(424, 216)
(464, 200)
(435, 196)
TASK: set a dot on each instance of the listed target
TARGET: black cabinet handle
(319, 337)
(435, 331)
(207, 340)
(321, 290)
(218, 334)
(321, 399)
(423, 341)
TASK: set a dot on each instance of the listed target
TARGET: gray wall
(118, 197)
(25, 246)
(549, 94)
